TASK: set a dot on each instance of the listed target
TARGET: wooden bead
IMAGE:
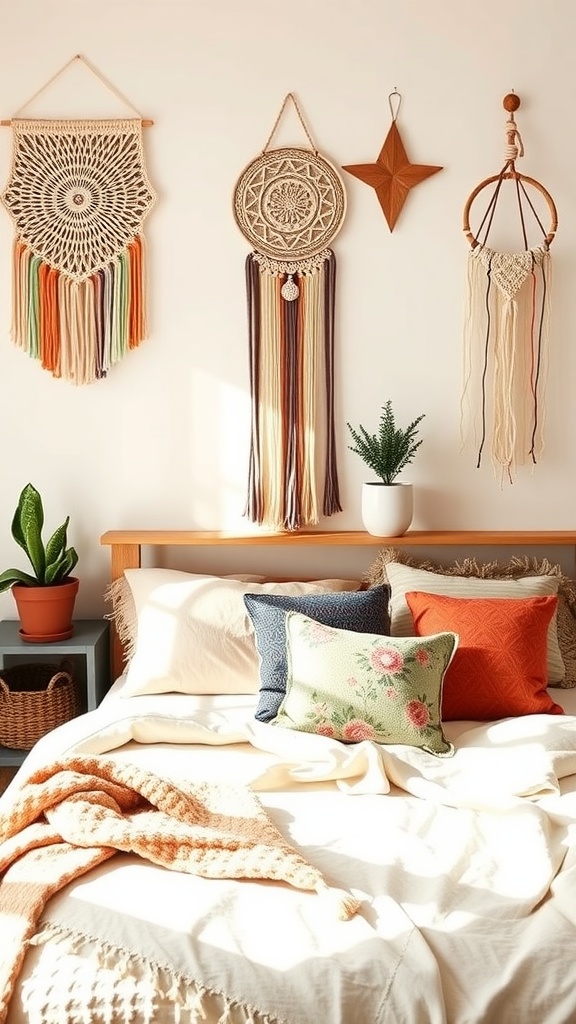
(511, 102)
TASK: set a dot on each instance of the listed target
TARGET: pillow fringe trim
(517, 567)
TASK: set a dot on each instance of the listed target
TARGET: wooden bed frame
(126, 546)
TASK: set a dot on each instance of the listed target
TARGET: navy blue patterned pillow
(363, 611)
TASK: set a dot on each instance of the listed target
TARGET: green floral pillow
(364, 686)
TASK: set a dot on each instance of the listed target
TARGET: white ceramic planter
(387, 509)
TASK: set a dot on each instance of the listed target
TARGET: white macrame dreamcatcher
(507, 323)
(78, 195)
(290, 204)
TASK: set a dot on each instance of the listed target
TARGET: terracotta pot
(46, 612)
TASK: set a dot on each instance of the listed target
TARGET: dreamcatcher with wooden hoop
(507, 323)
(290, 204)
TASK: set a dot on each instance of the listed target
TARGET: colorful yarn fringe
(79, 329)
(292, 434)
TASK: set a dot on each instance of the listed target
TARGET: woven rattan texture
(35, 698)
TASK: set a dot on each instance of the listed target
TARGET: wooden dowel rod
(146, 122)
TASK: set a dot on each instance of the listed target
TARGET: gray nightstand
(88, 649)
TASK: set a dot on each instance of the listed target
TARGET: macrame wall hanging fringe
(78, 195)
(290, 203)
(507, 323)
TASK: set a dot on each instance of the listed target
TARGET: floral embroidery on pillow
(362, 686)
(364, 611)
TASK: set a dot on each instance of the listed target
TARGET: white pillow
(194, 634)
(404, 578)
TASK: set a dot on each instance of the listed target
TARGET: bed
(333, 800)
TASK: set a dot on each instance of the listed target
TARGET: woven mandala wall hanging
(78, 195)
(290, 204)
(507, 325)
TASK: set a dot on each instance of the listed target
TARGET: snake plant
(52, 562)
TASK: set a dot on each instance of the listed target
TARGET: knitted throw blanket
(78, 812)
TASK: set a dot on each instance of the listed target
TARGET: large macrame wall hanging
(290, 204)
(78, 195)
(507, 324)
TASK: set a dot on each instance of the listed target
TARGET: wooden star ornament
(392, 176)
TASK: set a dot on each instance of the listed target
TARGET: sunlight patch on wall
(219, 425)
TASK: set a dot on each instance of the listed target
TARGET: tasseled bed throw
(216, 831)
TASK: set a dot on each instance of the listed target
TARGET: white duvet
(465, 867)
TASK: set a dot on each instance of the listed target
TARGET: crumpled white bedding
(466, 867)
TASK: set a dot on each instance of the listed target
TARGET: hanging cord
(514, 145)
(491, 208)
(513, 149)
(520, 184)
(536, 370)
(108, 85)
(521, 212)
(485, 365)
(290, 96)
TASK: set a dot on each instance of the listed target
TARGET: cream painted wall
(163, 441)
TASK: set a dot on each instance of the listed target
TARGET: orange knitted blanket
(80, 811)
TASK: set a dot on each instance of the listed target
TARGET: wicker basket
(35, 698)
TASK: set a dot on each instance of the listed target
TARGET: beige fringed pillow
(196, 635)
(123, 615)
(518, 568)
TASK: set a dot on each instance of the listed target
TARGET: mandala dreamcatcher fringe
(289, 203)
(79, 329)
(291, 343)
(506, 340)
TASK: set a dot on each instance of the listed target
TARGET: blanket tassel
(339, 900)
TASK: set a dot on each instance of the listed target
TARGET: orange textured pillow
(499, 669)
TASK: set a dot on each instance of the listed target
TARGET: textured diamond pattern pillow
(404, 578)
(365, 611)
(358, 686)
(499, 669)
(518, 567)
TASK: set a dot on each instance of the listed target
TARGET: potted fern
(45, 597)
(387, 505)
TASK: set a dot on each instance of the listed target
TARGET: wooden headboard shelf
(126, 545)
